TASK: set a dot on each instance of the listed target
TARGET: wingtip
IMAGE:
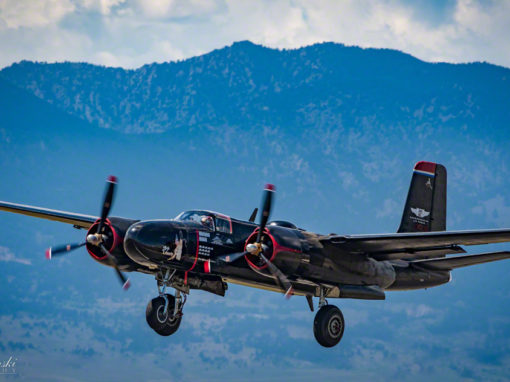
(289, 293)
(126, 285)
(48, 254)
(112, 179)
(270, 187)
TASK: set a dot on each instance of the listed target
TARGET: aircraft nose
(131, 243)
(151, 241)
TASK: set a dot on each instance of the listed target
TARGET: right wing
(447, 264)
(412, 245)
(78, 220)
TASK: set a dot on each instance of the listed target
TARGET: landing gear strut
(164, 313)
(329, 324)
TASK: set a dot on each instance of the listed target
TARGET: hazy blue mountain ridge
(252, 86)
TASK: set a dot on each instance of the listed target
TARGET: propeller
(257, 248)
(113, 261)
(283, 280)
(266, 209)
(97, 238)
(107, 203)
(62, 249)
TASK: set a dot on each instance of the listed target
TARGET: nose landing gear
(164, 313)
(163, 320)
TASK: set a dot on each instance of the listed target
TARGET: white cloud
(495, 210)
(388, 209)
(133, 32)
(102, 6)
(33, 14)
(161, 9)
(299, 332)
(348, 180)
(7, 256)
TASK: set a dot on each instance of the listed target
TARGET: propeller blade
(61, 249)
(230, 258)
(253, 215)
(266, 209)
(282, 279)
(125, 282)
(108, 199)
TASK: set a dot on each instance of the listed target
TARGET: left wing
(413, 245)
(78, 220)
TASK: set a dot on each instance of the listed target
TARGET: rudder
(425, 208)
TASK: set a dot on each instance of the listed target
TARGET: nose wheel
(161, 315)
(164, 313)
(328, 326)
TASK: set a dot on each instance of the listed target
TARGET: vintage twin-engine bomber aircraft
(206, 250)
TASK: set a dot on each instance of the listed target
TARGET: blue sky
(130, 33)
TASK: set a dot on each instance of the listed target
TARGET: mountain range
(251, 86)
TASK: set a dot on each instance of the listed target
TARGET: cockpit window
(210, 220)
(223, 225)
(193, 216)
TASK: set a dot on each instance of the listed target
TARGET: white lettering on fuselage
(176, 253)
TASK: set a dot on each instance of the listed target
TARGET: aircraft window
(198, 217)
(190, 216)
(207, 221)
(223, 225)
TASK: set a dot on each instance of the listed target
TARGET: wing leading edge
(78, 220)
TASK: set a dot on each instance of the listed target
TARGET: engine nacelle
(281, 246)
(111, 242)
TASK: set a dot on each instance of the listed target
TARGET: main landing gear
(329, 324)
(164, 313)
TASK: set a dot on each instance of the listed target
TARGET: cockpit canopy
(283, 223)
(210, 220)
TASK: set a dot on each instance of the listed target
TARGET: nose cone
(149, 242)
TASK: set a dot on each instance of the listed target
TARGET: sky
(130, 33)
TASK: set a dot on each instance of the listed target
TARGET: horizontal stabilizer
(446, 264)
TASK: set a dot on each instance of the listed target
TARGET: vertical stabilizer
(425, 208)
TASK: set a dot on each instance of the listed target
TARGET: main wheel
(328, 326)
(163, 323)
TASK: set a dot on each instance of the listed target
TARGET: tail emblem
(421, 213)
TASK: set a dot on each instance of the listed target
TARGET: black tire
(328, 326)
(171, 327)
(164, 325)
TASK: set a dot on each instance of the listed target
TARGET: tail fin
(425, 208)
